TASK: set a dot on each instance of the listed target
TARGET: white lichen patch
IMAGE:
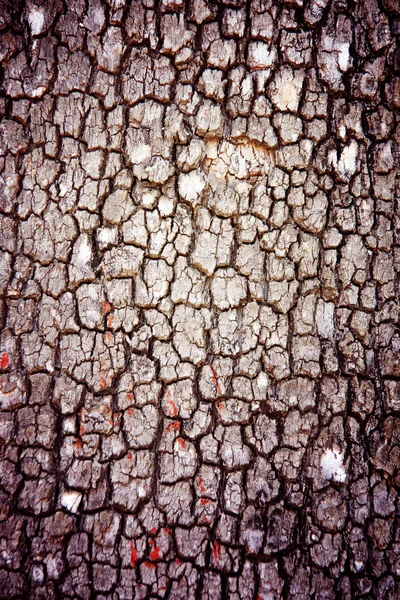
(70, 500)
(347, 164)
(332, 465)
(261, 56)
(344, 59)
(36, 21)
(85, 250)
(191, 186)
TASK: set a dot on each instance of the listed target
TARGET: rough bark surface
(199, 278)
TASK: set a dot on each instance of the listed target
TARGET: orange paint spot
(108, 336)
(201, 485)
(110, 320)
(155, 553)
(220, 405)
(129, 412)
(174, 426)
(4, 361)
(79, 444)
(103, 383)
(106, 307)
(216, 550)
(130, 396)
(181, 443)
(82, 430)
(172, 410)
(134, 555)
(214, 380)
(129, 456)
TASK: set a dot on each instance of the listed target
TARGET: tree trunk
(199, 277)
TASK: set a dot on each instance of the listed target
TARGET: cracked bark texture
(199, 277)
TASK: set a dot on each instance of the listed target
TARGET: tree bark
(199, 278)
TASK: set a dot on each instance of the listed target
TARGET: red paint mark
(129, 456)
(82, 430)
(110, 320)
(78, 443)
(167, 530)
(107, 409)
(153, 531)
(134, 555)
(174, 426)
(4, 361)
(149, 565)
(205, 501)
(220, 405)
(216, 550)
(172, 410)
(214, 380)
(106, 307)
(155, 553)
(103, 383)
(129, 412)
(181, 443)
(130, 396)
(178, 562)
(108, 336)
(201, 485)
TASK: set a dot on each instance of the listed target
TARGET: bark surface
(199, 279)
